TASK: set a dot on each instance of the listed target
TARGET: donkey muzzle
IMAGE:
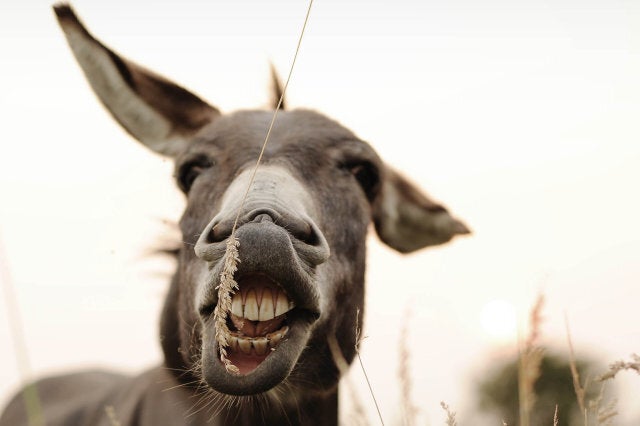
(279, 300)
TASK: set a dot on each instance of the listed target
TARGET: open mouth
(272, 313)
(257, 322)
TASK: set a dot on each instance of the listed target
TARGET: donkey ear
(408, 220)
(155, 111)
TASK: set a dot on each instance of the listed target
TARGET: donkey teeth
(236, 305)
(274, 338)
(245, 346)
(251, 308)
(233, 342)
(260, 345)
(282, 304)
(266, 306)
(269, 307)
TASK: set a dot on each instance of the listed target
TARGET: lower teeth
(256, 345)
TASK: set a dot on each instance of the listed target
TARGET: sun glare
(499, 319)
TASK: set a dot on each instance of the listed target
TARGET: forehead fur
(249, 128)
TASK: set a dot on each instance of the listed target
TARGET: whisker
(181, 385)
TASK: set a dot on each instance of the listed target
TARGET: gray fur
(304, 226)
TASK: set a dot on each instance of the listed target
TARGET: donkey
(301, 236)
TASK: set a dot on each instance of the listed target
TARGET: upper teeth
(260, 304)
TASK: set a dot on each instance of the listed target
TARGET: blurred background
(520, 116)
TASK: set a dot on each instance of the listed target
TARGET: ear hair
(277, 90)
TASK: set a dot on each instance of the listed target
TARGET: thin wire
(273, 119)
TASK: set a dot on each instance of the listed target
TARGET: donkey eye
(367, 176)
(189, 171)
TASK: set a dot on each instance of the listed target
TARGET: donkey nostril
(311, 237)
(304, 232)
(217, 233)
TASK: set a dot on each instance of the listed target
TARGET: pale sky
(521, 116)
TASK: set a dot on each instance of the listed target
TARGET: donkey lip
(270, 268)
(258, 373)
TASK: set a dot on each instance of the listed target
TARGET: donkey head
(301, 229)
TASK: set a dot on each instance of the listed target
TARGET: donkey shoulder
(105, 398)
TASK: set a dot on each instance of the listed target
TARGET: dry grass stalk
(577, 386)
(555, 416)
(35, 414)
(30, 396)
(607, 413)
(226, 289)
(451, 415)
(535, 321)
(530, 359)
(359, 339)
(528, 374)
(408, 409)
(619, 366)
(359, 414)
(227, 284)
(593, 410)
(111, 415)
